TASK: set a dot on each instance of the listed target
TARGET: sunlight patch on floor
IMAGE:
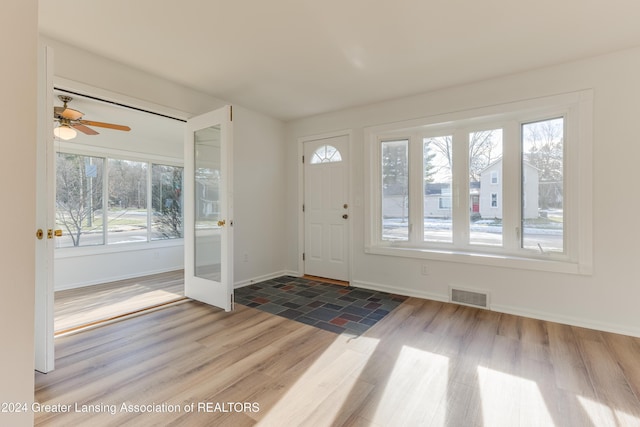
(418, 377)
(506, 398)
(603, 415)
(333, 380)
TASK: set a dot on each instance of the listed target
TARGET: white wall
(75, 267)
(259, 176)
(608, 299)
(259, 195)
(18, 47)
(85, 67)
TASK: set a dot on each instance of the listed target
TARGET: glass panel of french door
(208, 233)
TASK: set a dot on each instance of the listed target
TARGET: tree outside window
(81, 213)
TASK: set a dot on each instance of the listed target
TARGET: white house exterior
(491, 191)
(437, 201)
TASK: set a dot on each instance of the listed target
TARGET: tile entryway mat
(331, 307)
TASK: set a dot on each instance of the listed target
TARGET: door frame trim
(46, 299)
(301, 226)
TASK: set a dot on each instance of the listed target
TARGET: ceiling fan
(70, 120)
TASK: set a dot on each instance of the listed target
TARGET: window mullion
(512, 187)
(460, 188)
(149, 199)
(376, 185)
(416, 189)
(105, 201)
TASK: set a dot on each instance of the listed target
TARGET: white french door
(326, 208)
(208, 210)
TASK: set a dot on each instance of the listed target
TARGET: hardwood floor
(90, 304)
(426, 364)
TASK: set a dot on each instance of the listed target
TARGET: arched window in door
(326, 154)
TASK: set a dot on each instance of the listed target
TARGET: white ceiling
(147, 130)
(295, 58)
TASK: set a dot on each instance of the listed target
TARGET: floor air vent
(472, 298)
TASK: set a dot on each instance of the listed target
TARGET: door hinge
(230, 113)
(303, 256)
(303, 207)
(302, 159)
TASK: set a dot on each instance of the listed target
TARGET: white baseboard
(399, 290)
(567, 320)
(264, 278)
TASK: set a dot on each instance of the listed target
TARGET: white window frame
(575, 108)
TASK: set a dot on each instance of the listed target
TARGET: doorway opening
(118, 208)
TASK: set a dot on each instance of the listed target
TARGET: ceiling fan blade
(105, 125)
(71, 114)
(82, 128)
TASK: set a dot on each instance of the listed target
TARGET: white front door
(208, 209)
(326, 208)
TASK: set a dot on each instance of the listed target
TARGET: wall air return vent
(467, 297)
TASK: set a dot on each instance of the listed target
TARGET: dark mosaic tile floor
(334, 308)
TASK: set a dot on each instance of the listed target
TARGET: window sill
(485, 259)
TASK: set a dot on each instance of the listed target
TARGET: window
(444, 204)
(106, 201)
(326, 154)
(127, 208)
(166, 188)
(500, 183)
(395, 190)
(543, 191)
(79, 200)
(485, 165)
(437, 167)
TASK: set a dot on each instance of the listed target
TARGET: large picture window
(116, 201)
(507, 184)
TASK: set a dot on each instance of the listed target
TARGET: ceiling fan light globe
(65, 132)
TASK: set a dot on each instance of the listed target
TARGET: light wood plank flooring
(426, 364)
(91, 304)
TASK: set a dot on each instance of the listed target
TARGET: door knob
(221, 223)
(345, 216)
